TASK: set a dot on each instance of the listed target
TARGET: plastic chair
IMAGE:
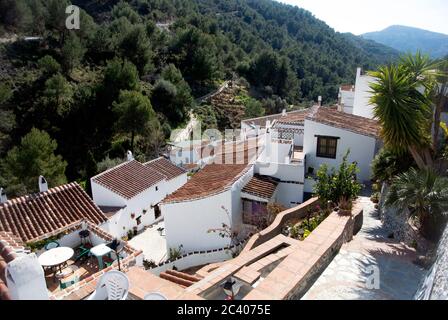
(154, 296)
(113, 285)
(52, 245)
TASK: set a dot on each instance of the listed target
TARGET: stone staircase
(180, 278)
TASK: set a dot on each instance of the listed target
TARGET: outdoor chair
(113, 285)
(51, 245)
(83, 253)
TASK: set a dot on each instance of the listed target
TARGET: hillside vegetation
(132, 73)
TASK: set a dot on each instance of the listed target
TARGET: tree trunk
(132, 141)
(417, 157)
(440, 101)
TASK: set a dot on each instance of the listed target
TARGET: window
(326, 147)
(157, 188)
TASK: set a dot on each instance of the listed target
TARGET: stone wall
(435, 284)
(282, 218)
(396, 223)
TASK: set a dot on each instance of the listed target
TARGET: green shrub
(335, 185)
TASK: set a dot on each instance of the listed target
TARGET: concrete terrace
(345, 277)
(151, 242)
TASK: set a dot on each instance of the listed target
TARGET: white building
(129, 193)
(187, 153)
(294, 146)
(347, 98)
(208, 200)
(361, 105)
(330, 133)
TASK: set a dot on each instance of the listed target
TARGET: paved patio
(347, 276)
(151, 243)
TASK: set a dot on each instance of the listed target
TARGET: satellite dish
(154, 296)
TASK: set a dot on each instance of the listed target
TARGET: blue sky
(361, 16)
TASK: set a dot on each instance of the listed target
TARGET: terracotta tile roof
(212, 179)
(129, 179)
(297, 117)
(261, 121)
(165, 167)
(342, 120)
(261, 186)
(239, 152)
(41, 215)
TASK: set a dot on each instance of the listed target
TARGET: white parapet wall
(199, 258)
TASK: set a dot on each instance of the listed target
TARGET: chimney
(43, 185)
(284, 113)
(319, 101)
(129, 156)
(268, 124)
(358, 72)
(339, 97)
(3, 197)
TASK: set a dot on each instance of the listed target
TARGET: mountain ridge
(411, 39)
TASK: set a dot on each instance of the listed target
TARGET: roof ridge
(276, 114)
(34, 195)
(113, 168)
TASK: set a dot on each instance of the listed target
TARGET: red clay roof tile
(44, 214)
(212, 179)
(129, 179)
(345, 121)
(259, 186)
(166, 168)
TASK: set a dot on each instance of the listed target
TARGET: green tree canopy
(49, 65)
(168, 100)
(136, 48)
(134, 111)
(72, 52)
(34, 156)
(403, 104)
(58, 94)
(425, 194)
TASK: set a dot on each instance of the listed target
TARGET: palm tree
(425, 194)
(406, 99)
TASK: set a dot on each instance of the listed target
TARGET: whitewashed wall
(237, 204)
(361, 105)
(348, 98)
(362, 148)
(122, 221)
(194, 260)
(289, 195)
(187, 223)
(105, 197)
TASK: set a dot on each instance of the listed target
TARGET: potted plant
(135, 231)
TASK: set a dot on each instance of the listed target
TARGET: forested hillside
(132, 72)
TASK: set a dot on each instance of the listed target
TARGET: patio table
(55, 258)
(99, 252)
